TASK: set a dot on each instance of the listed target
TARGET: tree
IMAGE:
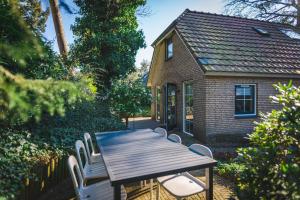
(106, 39)
(29, 47)
(20, 98)
(59, 29)
(271, 165)
(129, 96)
(144, 69)
(34, 16)
(284, 11)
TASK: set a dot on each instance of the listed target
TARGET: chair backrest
(88, 142)
(74, 170)
(80, 146)
(175, 138)
(201, 149)
(161, 131)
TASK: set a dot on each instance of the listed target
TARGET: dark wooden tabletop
(135, 155)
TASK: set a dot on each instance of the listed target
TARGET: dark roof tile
(230, 44)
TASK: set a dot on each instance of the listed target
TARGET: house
(211, 75)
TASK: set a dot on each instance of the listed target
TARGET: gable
(181, 66)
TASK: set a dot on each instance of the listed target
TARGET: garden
(48, 100)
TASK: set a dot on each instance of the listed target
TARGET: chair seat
(101, 190)
(96, 170)
(183, 185)
(165, 178)
(96, 158)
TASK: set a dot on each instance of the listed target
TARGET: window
(158, 103)
(261, 31)
(291, 33)
(169, 48)
(245, 100)
(188, 108)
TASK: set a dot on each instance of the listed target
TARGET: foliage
(272, 163)
(17, 42)
(279, 11)
(106, 39)
(86, 116)
(23, 50)
(129, 96)
(19, 153)
(22, 98)
(34, 97)
(34, 15)
(53, 136)
(230, 169)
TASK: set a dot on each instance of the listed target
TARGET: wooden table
(136, 155)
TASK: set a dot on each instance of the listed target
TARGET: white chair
(185, 185)
(89, 171)
(91, 153)
(100, 190)
(175, 138)
(161, 131)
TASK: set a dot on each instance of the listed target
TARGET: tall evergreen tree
(106, 38)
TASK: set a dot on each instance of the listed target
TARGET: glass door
(170, 106)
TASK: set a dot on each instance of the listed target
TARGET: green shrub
(272, 163)
(20, 152)
(230, 169)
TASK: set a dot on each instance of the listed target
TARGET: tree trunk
(127, 121)
(61, 40)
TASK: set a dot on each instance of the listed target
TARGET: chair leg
(158, 191)
(141, 184)
(151, 189)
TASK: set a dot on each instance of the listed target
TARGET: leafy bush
(85, 116)
(272, 163)
(20, 151)
(53, 136)
(230, 169)
(23, 98)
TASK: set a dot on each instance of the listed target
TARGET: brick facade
(213, 96)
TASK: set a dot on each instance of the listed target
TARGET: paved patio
(142, 122)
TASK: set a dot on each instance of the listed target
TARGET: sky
(163, 12)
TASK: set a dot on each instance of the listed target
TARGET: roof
(223, 43)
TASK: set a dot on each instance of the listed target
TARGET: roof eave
(247, 74)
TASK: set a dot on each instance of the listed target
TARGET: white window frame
(183, 107)
(245, 115)
(156, 103)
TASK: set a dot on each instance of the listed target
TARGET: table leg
(117, 192)
(209, 183)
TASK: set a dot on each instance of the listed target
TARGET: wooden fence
(48, 176)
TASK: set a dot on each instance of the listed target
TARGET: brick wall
(220, 105)
(182, 67)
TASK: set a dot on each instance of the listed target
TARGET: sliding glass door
(188, 108)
